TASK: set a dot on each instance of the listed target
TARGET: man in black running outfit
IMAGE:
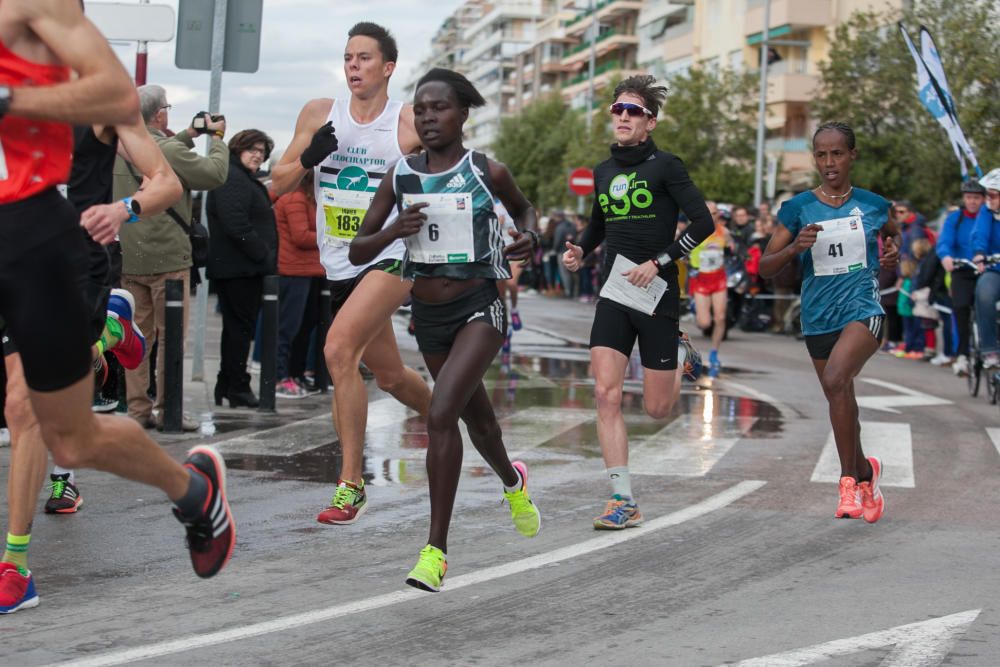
(640, 191)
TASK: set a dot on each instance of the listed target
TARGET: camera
(199, 123)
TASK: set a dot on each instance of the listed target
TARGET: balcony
(783, 145)
(791, 88)
(606, 43)
(482, 47)
(792, 13)
(603, 75)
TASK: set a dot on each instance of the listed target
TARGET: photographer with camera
(158, 248)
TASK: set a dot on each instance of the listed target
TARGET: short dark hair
(244, 141)
(837, 126)
(653, 97)
(465, 92)
(386, 42)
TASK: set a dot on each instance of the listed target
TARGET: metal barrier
(269, 344)
(173, 367)
(322, 327)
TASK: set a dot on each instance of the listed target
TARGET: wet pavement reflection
(545, 405)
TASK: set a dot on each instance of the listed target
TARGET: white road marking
(717, 502)
(891, 442)
(923, 644)
(672, 451)
(301, 436)
(994, 434)
(908, 399)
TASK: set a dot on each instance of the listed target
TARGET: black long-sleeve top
(640, 191)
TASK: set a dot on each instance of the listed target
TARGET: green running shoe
(428, 574)
(523, 512)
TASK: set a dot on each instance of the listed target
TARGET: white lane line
(922, 644)
(302, 436)
(604, 541)
(893, 443)
(907, 398)
(994, 434)
(673, 451)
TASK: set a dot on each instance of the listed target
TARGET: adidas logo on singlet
(856, 211)
(457, 181)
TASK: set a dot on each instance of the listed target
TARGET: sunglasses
(633, 110)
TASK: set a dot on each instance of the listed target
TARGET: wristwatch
(133, 208)
(6, 94)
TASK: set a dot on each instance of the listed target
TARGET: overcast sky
(302, 46)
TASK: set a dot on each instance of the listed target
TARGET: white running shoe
(961, 365)
(941, 360)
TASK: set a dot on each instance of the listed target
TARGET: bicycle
(974, 378)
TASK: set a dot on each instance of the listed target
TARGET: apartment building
(515, 51)
(491, 45)
(678, 34)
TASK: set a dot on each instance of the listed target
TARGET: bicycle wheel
(975, 373)
(975, 359)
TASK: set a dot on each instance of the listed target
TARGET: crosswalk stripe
(994, 434)
(892, 442)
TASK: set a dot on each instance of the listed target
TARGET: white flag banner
(932, 59)
(938, 101)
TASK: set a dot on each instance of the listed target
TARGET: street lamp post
(593, 30)
(761, 108)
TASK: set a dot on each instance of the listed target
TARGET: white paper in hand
(620, 290)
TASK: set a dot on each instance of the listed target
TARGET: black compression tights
(458, 390)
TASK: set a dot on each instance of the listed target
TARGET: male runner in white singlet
(351, 144)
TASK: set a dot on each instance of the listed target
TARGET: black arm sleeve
(690, 200)
(593, 235)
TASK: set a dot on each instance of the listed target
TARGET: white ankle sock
(621, 484)
(516, 487)
(56, 470)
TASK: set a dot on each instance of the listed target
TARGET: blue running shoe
(692, 358)
(17, 589)
(620, 512)
(714, 365)
(515, 320)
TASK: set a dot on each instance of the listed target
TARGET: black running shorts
(821, 345)
(618, 327)
(437, 324)
(43, 256)
(341, 290)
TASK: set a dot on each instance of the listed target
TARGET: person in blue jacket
(955, 242)
(985, 242)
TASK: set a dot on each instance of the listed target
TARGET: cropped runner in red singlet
(42, 255)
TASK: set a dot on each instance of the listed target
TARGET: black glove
(323, 143)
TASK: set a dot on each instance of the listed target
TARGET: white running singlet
(347, 180)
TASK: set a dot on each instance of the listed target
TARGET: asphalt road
(739, 559)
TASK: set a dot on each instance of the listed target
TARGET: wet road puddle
(546, 410)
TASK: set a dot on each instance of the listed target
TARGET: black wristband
(6, 94)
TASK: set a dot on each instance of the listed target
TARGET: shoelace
(344, 495)
(199, 532)
(58, 488)
(518, 500)
(432, 557)
(847, 493)
(867, 493)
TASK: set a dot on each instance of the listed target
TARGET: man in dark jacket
(913, 226)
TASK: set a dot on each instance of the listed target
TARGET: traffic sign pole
(214, 104)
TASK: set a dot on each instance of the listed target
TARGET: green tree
(533, 145)
(869, 82)
(710, 122)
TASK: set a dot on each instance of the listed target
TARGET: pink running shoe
(850, 499)
(872, 501)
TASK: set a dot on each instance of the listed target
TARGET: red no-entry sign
(581, 181)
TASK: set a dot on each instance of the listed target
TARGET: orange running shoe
(872, 501)
(850, 499)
